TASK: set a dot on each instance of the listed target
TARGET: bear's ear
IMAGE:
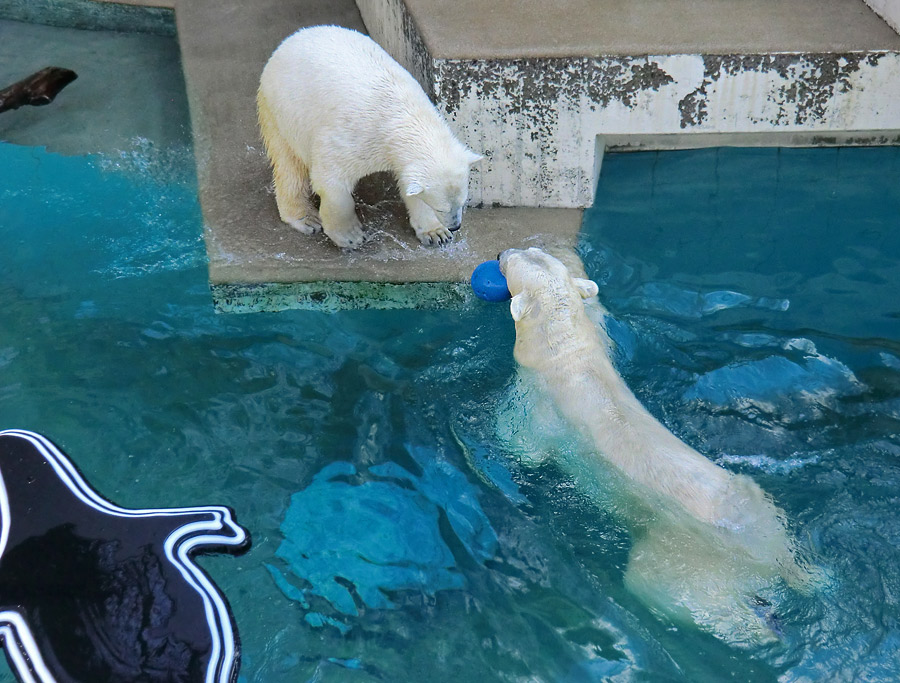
(413, 187)
(472, 157)
(521, 305)
(587, 288)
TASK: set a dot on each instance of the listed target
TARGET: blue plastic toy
(489, 283)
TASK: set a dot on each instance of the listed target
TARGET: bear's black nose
(454, 227)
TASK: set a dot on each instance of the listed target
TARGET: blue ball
(489, 283)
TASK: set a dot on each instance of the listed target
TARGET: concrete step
(516, 29)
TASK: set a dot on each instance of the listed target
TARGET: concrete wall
(389, 23)
(889, 10)
(538, 120)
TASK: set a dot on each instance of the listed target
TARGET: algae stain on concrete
(531, 86)
(809, 83)
(335, 296)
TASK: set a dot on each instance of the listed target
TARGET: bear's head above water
(538, 280)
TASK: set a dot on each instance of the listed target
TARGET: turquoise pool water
(755, 302)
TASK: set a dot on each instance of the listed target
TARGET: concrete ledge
(276, 267)
(393, 271)
(534, 89)
(337, 296)
(641, 143)
(534, 29)
(128, 16)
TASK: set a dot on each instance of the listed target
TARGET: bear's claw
(351, 238)
(308, 225)
(437, 236)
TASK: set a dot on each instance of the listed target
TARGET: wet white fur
(333, 107)
(707, 542)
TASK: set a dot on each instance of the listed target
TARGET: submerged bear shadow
(93, 592)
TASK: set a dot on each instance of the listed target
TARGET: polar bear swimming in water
(708, 544)
(333, 107)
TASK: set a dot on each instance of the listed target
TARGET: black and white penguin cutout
(94, 593)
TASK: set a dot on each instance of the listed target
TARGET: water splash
(162, 165)
(768, 464)
(135, 214)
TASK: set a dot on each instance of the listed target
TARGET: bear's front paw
(348, 237)
(435, 236)
(308, 225)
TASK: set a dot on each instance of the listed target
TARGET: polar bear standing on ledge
(708, 544)
(334, 107)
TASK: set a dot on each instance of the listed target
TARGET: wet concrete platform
(258, 263)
